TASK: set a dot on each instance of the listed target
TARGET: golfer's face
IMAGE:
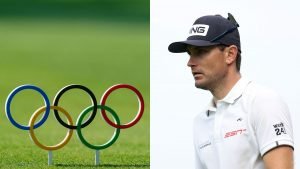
(208, 66)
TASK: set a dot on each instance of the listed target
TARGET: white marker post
(49, 158)
(97, 157)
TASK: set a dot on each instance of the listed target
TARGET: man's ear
(231, 54)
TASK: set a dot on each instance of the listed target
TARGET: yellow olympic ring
(33, 137)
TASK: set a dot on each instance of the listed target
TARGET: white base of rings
(97, 157)
(49, 158)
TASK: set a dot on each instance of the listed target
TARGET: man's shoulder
(257, 91)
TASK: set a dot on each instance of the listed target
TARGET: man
(245, 126)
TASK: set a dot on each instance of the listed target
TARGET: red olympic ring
(141, 106)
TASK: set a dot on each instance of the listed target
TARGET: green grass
(52, 54)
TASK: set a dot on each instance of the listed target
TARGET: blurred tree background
(118, 10)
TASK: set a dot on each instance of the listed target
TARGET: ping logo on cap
(199, 29)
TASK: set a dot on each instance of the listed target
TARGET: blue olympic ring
(8, 103)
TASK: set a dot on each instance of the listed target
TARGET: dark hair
(238, 57)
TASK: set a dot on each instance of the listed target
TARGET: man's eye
(201, 53)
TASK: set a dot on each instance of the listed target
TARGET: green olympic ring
(113, 138)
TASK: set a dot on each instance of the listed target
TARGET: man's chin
(200, 86)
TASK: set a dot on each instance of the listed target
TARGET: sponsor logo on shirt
(234, 133)
(279, 129)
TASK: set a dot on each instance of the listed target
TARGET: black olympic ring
(65, 89)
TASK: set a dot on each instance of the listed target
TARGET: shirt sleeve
(272, 122)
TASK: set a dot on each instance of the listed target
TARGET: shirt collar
(235, 93)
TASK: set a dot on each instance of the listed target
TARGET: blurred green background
(53, 43)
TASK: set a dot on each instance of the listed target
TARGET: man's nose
(191, 62)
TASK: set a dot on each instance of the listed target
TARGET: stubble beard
(205, 85)
(210, 83)
(201, 86)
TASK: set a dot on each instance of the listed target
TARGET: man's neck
(224, 87)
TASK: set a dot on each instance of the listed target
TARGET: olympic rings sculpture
(79, 124)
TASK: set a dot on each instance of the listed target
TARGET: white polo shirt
(241, 128)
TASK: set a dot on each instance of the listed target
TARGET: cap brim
(179, 47)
